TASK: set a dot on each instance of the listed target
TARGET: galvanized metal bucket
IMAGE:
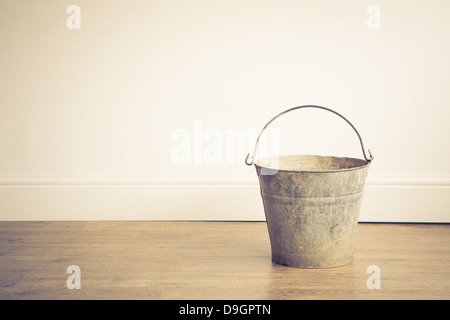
(312, 204)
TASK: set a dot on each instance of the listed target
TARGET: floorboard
(212, 260)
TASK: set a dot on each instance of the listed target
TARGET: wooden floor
(212, 260)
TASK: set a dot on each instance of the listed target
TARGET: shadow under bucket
(312, 205)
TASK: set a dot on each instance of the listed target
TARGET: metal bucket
(311, 204)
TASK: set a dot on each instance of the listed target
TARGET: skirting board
(386, 199)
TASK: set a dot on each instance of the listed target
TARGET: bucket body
(312, 206)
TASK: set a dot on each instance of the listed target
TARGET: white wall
(93, 121)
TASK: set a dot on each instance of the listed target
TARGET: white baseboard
(386, 199)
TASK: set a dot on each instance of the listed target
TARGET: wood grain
(212, 260)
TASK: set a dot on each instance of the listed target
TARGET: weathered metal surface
(312, 206)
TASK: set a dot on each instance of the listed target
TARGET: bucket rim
(366, 164)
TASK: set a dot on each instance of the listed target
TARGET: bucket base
(310, 262)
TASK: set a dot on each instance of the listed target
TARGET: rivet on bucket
(311, 204)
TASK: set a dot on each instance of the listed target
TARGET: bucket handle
(249, 159)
